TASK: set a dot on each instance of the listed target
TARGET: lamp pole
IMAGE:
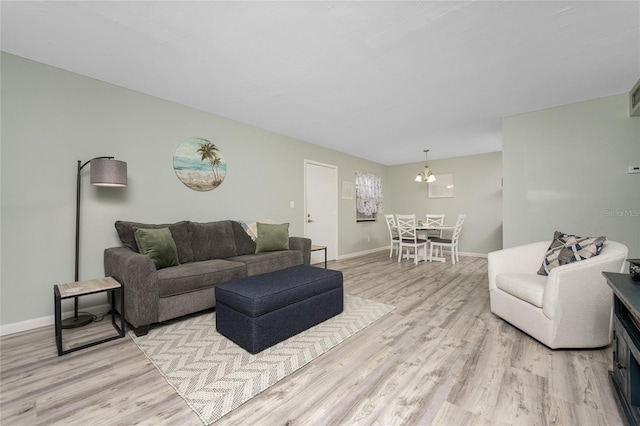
(80, 320)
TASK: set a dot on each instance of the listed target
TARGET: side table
(319, 248)
(83, 288)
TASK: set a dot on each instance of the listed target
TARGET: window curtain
(368, 193)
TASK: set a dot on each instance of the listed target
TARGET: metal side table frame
(319, 248)
(83, 288)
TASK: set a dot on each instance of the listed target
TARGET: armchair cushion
(527, 287)
(567, 248)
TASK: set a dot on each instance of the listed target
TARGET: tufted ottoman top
(260, 294)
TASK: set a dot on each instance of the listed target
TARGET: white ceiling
(379, 80)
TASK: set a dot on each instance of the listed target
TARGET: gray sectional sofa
(208, 254)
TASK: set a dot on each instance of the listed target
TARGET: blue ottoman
(259, 311)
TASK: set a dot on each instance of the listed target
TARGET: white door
(321, 208)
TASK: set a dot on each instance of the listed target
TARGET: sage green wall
(477, 192)
(565, 169)
(51, 118)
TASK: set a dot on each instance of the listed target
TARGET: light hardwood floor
(439, 358)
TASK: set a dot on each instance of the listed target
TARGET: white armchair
(569, 308)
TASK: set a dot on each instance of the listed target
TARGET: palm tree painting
(199, 164)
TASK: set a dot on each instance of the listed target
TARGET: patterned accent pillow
(252, 228)
(566, 248)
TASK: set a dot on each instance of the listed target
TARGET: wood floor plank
(450, 414)
(523, 400)
(439, 358)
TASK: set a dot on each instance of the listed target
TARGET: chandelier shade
(425, 175)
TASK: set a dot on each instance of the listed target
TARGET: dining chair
(406, 224)
(435, 220)
(394, 240)
(451, 244)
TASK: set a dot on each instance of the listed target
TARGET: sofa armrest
(520, 259)
(302, 244)
(137, 274)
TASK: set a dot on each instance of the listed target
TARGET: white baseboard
(469, 254)
(362, 253)
(49, 320)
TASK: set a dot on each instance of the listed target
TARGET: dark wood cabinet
(626, 343)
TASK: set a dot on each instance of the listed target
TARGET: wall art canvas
(442, 187)
(199, 164)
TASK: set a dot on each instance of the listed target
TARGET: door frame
(332, 252)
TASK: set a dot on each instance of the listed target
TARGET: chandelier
(425, 175)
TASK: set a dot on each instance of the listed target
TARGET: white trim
(49, 320)
(362, 253)
(468, 254)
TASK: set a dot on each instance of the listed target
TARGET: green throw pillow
(158, 244)
(272, 237)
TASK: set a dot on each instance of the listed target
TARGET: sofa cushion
(527, 287)
(270, 261)
(272, 237)
(566, 248)
(198, 275)
(158, 245)
(244, 242)
(212, 240)
(179, 232)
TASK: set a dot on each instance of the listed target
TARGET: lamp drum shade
(108, 172)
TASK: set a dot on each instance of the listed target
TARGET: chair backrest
(435, 219)
(406, 224)
(391, 225)
(457, 229)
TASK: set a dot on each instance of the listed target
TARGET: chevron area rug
(214, 375)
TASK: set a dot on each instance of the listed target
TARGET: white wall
(565, 169)
(477, 192)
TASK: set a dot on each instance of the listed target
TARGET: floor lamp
(105, 171)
